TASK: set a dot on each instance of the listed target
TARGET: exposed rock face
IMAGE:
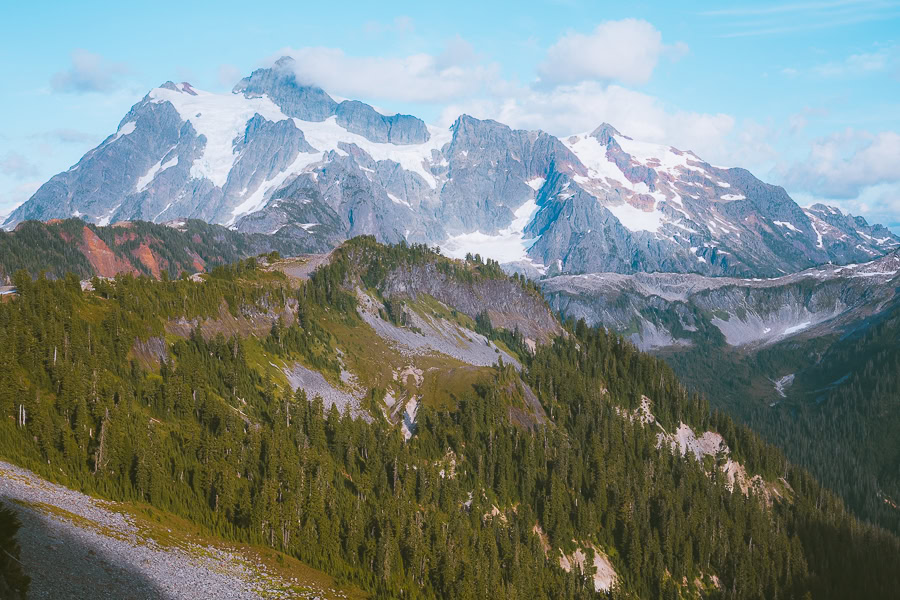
(305, 102)
(102, 259)
(508, 304)
(433, 335)
(360, 118)
(658, 310)
(281, 157)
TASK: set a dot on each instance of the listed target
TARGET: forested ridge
(207, 436)
(840, 417)
(85, 249)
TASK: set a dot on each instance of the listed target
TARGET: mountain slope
(76, 546)
(441, 477)
(279, 156)
(137, 247)
(807, 359)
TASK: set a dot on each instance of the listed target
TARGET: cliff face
(508, 304)
(668, 310)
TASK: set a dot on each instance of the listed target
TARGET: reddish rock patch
(104, 260)
(199, 264)
(144, 254)
(643, 201)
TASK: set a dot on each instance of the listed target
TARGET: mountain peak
(279, 83)
(183, 87)
(285, 62)
(824, 208)
(604, 133)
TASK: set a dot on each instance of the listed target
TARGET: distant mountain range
(659, 311)
(285, 159)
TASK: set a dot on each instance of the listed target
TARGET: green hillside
(480, 501)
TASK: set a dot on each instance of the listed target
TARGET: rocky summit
(279, 157)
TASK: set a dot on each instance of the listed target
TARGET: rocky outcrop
(360, 118)
(658, 310)
(508, 304)
(305, 102)
(76, 546)
(104, 261)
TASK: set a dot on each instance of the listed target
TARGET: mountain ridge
(278, 156)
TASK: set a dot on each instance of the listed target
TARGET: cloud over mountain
(89, 72)
(625, 51)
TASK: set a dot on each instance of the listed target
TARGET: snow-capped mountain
(282, 158)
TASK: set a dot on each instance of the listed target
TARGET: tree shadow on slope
(63, 565)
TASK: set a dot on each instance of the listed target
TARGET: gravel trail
(75, 546)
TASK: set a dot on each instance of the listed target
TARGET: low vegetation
(209, 437)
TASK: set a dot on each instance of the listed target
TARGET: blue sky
(805, 94)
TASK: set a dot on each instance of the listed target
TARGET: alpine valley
(271, 344)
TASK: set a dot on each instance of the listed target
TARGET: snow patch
(397, 200)
(784, 383)
(536, 183)
(220, 118)
(787, 225)
(126, 129)
(104, 221)
(635, 219)
(258, 198)
(156, 169)
(819, 243)
(327, 134)
(506, 246)
(592, 155)
(796, 328)
(664, 158)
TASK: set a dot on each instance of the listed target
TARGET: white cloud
(458, 81)
(228, 75)
(858, 64)
(17, 166)
(89, 73)
(625, 51)
(877, 204)
(414, 78)
(843, 164)
(569, 109)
